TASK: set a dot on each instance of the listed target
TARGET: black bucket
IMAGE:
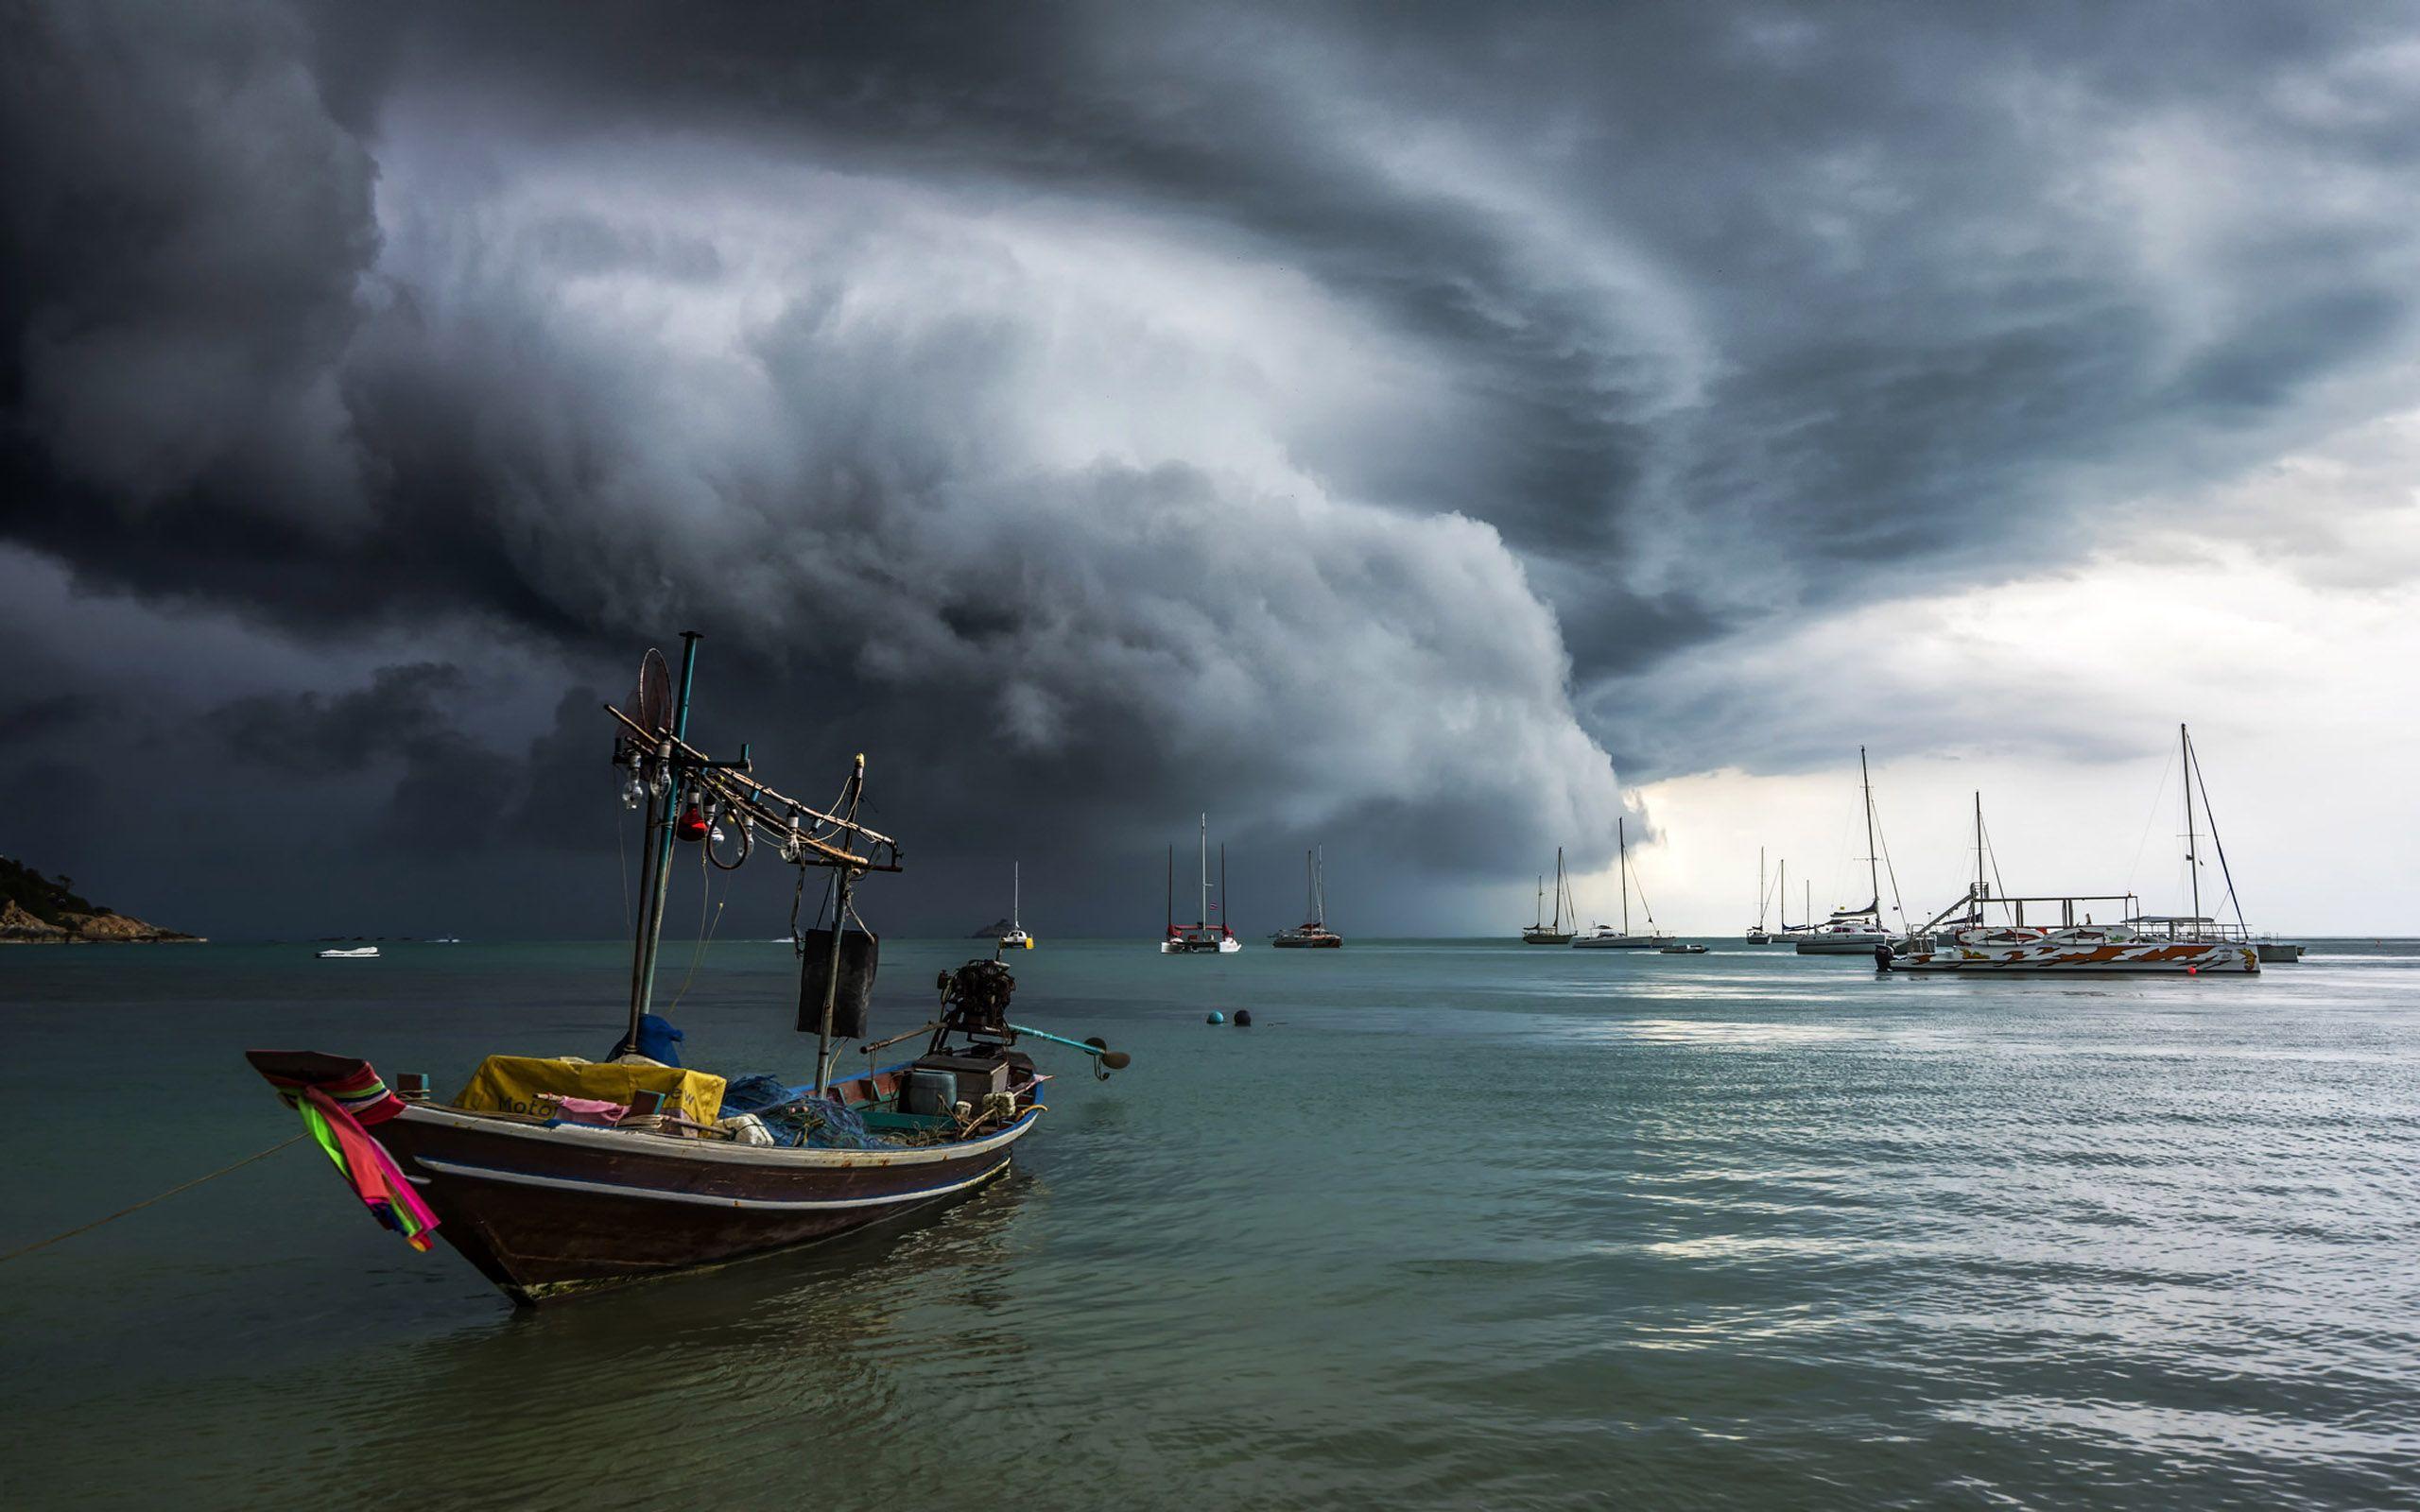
(860, 953)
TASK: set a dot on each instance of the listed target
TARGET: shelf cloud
(1366, 423)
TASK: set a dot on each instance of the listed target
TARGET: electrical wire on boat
(705, 931)
(84, 1228)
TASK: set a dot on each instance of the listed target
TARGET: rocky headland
(39, 910)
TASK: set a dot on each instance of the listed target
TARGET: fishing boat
(553, 1176)
(1313, 932)
(1684, 950)
(1014, 938)
(1852, 931)
(1604, 936)
(1966, 940)
(358, 953)
(1544, 933)
(1200, 937)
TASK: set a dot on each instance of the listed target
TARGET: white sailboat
(1016, 938)
(358, 953)
(1604, 936)
(1201, 937)
(1758, 935)
(1854, 931)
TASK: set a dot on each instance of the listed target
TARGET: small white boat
(358, 953)
(1606, 937)
(1016, 938)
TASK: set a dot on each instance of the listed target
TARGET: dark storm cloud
(1100, 411)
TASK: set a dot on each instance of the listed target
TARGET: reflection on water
(1450, 1226)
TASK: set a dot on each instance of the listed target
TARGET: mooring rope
(44, 1244)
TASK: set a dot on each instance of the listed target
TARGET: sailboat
(551, 1174)
(1313, 932)
(1542, 933)
(1852, 931)
(1757, 935)
(1016, 938)
(1963, 939)
(1604, 936)
(1201, 937)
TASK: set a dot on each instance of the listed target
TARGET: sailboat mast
(1622, 863)
(661, 811)
(1872, 851)
(1781, 898)
(1206, 873)
(1224, 927)
(1017, 896)
(1171, 889)
(1559, 889)
(1319, 886)
(1760, 889)
(1979, 858)
(2192, 861)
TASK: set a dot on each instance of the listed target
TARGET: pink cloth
(589, 1109)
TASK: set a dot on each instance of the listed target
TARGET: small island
(39, 910)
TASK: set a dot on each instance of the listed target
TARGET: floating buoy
(1243, 1018)
(1215, 1016)
(2192, 970)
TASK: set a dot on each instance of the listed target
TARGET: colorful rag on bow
(335, 1099)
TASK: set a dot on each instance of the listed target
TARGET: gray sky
(1431, 432)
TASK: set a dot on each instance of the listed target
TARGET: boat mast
(1206, 873)
(1622, 863)
(1560, 888)
(1171, 889)
(1979, 858)
(662, 810)
(1872, 851)
(1318, 884)
(1781, 898)
(2192, 862)
(1760, 889)
(1310, 890)
(1224, 927)
(1016, 896)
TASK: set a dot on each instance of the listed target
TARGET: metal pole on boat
(660, 813)
(1872, 873)
(2192, 862)
(1622, 863)
(843, 875)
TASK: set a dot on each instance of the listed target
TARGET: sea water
(1452, 1224)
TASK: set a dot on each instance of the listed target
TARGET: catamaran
(1852, 931)
(1542, 933)
(1313, 932)
(1604, 936)
(1014, 938)
(552, 1173)
(1964, 938)
(1200, 937)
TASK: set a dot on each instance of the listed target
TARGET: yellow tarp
(510, 1084)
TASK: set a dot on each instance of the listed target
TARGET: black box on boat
(859, 955)
(977, 1074)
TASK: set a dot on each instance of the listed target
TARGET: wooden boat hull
(544, 1210)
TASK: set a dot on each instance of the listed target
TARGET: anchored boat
(552, 1175)
(1854, 931)
(1967, 938)
(1604, 936)
(1313, 932)
(1014, 938)
(1200, 937)
(1542, 933)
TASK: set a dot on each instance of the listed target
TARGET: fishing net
(796, 1117)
